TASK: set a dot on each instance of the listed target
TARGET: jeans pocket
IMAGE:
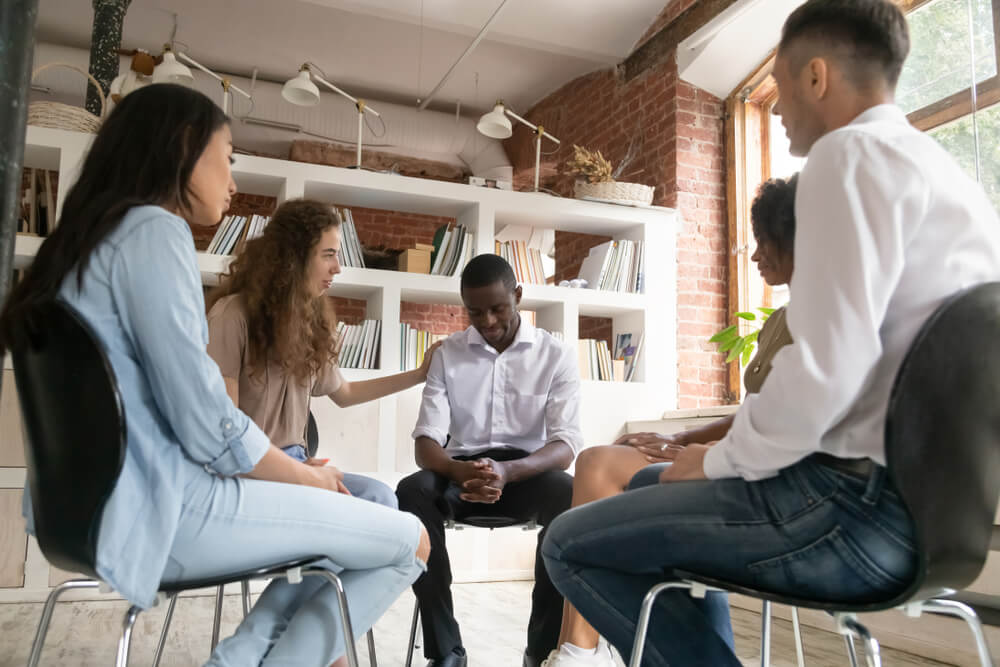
(833, 567)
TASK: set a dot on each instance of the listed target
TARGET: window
(935, 88)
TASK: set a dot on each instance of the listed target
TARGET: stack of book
(350, 248)
(453, 248)
(412, 345)
(597, 362)
(617, 266)
(359, 344)
(234, 231)
(526, 262)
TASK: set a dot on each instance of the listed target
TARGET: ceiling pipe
(482, 33)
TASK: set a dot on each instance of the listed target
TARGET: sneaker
(562, 658)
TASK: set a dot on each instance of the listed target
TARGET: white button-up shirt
(887, 227)
(523, 398)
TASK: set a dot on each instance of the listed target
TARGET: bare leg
(601, 472)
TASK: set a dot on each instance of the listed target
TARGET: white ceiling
(372, 48)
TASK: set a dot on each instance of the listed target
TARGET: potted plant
(741, 347)
(596, 178)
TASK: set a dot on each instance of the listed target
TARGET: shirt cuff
(574, 440)
(716, 463)
(436, 435)
(242, 452)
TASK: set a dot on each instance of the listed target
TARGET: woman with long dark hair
(202, 491)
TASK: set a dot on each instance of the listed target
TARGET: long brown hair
(286, 323)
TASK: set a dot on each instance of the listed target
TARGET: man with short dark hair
(795, 499)
(498, 425)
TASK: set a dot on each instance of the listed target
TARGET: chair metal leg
(371, 648)
(245, 587)
(851, 653)
(125, 641)
(163, 633)
(968, 614)
(413, 634)
(800, 656)
(345, 614)
(50, 605)
(644, 612)
(218, 616)
(765, 634)
(873, 656)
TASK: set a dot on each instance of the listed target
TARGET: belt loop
(876, 480)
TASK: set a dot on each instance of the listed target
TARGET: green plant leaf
(747, 353)
(767, 311)
(730, 344)
(751, 337)
(746, 316)
(736, 351)
(723, 335)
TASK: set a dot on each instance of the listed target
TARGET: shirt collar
(526, 334)
(880, 112)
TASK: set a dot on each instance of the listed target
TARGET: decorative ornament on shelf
(596, 178)
(139, 74)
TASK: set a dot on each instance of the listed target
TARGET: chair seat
(824, 605)
(490, 521)
(233, 577)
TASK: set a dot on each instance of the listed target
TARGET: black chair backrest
(942, 437)
(312, 436)
(74, 427)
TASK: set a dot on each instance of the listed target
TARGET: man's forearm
(556, 455)
(430, 455)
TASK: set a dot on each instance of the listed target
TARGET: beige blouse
(278, 404)
(773, 336)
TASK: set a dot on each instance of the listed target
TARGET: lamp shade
(171, 71)
(495, 124)
(301, 90)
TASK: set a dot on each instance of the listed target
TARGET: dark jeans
(812, 531)
(434, 499)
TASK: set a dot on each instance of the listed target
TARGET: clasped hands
(687, 458)
(481, 480)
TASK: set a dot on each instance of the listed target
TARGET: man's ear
(517, 295)
(817, 74)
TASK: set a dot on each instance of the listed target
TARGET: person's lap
(228, 525)
(810, 531)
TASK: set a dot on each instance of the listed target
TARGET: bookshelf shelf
(607, 405)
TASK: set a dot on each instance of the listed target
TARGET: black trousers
(434, 499)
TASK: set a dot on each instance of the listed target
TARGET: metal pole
(105, 40)
(17, 49)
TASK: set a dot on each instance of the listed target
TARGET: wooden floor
(83, 634)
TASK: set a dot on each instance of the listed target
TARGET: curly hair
(286, 323)
(772, 213)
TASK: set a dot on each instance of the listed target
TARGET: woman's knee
(423, 545)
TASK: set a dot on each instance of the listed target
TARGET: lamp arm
(191, 61)
(361, 106)
(529, 124)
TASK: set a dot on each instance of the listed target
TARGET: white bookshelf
(375, 438)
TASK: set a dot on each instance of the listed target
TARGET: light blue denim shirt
(142, 294)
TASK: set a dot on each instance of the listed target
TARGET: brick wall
(682, 155)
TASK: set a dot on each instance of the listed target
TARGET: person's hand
(656, 447)
(487, 485)
(426, 364)
(689, 464)
(326, 477)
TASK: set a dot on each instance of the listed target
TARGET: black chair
(67, 387)
(490, 522)
(942, 442)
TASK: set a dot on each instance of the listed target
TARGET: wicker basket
(631, 194)
(64, 116)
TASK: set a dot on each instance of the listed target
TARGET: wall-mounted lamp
(171, 71)
(496, 125)
(301, 90)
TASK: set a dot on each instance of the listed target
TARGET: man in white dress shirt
(498, 425)
(795, 499)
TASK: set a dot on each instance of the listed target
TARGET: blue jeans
(233, 524)
(360, 486)
(812, 531)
